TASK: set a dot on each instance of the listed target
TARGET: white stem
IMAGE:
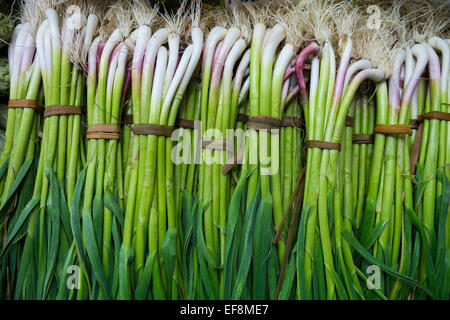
(244, 90)
(394, 82)
(353, 68)
(267, 38)
(141, 36)
(158, 80)
(232, 36)
(12, 46)
(332, 85)
(52, 17)
(313, 86)
(444, 47)
(91, 28)
(281, 65)
(241, 71)
(110, 44)
(409, 65)
(284, 93)
(16, 64)
(197, 42)
(181, 69)
(174, 47)
(92, 57)
(235, 53)
(111, 75)
(217, 34)
(420, 52)
(121, 67)
(277, 36)
(148, 67)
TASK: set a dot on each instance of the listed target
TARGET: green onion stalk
(321, 172)
(143, 64)
(76, 42)
(141, 34)
(127, 145)
(330, 125)
(25, 84)
(382, 247)
(33, 241)
(259, 32)
(176, 91)
(243, 109)
(277, 106)
(441, 45)
(345, 260)
(54, 235)
(315, 124)
(404, 207)
(346, 161)
(217, 47)
(226, 119)
(145, 222)
(444, 147)
(105, 90)
(75, 150)
(433, 210)
(364, 156)
(290, 148)
(20, 147)
(270, 66)
(186, 171)
(159, 97)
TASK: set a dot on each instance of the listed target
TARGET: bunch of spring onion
(20, 146)
(225, 60)
(49, 234)
(393, 225)
(432, 191)
(260, 181)
(319, 274)
(159, 79)
(97, 217)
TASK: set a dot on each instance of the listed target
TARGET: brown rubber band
(185, 123)
(393, 129)
(60, 110)
(153, 129)
(128, 119)
(349, 121)
(323, 145)
(263, 123)
(24, 103)
(415, 149)
(84, 109)
(103, 131)
(242, 117)
(435, 115)
(291, 122)
(215, 144)
(415, 123)
(363, 138)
